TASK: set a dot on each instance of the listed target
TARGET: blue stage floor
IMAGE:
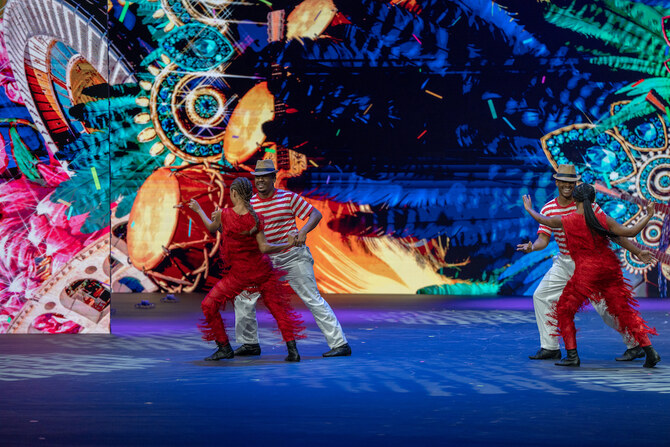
(436, 372)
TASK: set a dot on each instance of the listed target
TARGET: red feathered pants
(619, 300)
(274, 294)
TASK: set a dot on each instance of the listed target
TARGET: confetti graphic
(508, 123)
(125, 11)
(94, 173)
(493, 109)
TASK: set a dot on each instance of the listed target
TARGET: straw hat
(567, 173)
(265, 167)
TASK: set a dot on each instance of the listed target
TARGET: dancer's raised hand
(527, 203)
(526, 248)
(216, 214)
(647, 257)
(651, 208)
(194, 205)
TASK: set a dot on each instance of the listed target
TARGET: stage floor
(433, 371)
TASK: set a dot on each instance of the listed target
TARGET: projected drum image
(244, 134)
(310, 18)
(166, 240)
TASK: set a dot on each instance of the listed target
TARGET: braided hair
(586, 194)
(242, 186)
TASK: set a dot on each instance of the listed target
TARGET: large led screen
(414, 126)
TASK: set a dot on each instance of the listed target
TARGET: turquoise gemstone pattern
(197, 47)
(603, 157)
(643, 134)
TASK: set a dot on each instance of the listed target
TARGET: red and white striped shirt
(278, 214)
(552, 208)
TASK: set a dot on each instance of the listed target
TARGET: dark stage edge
(425, 370)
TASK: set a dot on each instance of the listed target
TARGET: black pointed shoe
(248, 349)
(224, 352)
(652, 357)
(631, 354)
(340, 351)
(571, 360)
(293, 355)
(546, 354)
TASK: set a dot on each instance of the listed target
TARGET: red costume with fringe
(247, 268)
(597, 275)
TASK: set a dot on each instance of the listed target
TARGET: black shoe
(652, 357)
(293, 355)
(546, 354)
(571, 360)
(340, 351)
(224, 352)
(631, 354)
(248, 349)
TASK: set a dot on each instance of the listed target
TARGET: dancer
(597, 272)
(242, 246)
(278, 209)
(554, 281)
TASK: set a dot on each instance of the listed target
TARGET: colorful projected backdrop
(413, 125)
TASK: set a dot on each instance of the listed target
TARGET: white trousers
(299, 267)
(549, 291)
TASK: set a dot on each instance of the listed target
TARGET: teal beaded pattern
(191, 137)
(642, 134)
(196, 47)
(655, 179)
(603, 157)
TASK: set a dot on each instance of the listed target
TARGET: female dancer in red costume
(243, 246)
(597, 272)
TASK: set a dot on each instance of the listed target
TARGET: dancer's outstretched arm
(644, 255)
(540, 244)
(620, 230)
(553, 222)
(212, 225)
(266, 247)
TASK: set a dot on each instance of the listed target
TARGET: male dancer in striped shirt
(278, 209)
(554, 281)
